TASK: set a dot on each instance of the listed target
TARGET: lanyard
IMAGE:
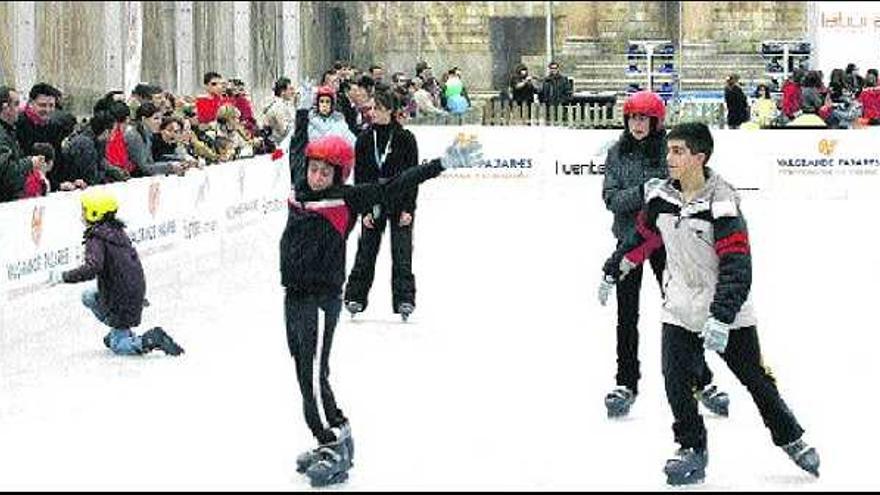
(380, 162)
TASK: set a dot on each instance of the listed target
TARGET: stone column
(241, 26)
(24, 45)
(184, 49)
(291, 37)
(113, 53)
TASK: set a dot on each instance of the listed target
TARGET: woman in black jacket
(382, 153)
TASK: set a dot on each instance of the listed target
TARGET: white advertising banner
(176, 223)
(843, 33)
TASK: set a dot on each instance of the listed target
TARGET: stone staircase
(595, 66)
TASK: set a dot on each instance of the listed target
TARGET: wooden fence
(575, 116)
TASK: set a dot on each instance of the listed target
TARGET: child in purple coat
(118, 300)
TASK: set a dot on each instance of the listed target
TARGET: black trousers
(628, 297)
(311, 322)
(403, 282)
(682, 360)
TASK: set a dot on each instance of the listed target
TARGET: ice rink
(496, 383)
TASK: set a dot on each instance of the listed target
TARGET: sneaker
(619, 401)
(714, 400)
(803, 455)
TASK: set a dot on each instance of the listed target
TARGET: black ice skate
(687, 467)
(619, 401)
(332, 460)
(405, 309)
(804, 456)
(306, 459)
(714, 400)
(354, 307)
(156, 338)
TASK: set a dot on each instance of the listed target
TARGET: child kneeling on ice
(118, 300)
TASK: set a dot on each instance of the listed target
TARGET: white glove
(626, 266)
(715, 335)
(605, 288)
(462, 153)
(306, 97)
(55, 278)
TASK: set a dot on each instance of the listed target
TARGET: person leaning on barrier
(139, 140)
(14, 166)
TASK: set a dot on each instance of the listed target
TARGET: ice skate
(619, 401)
(714, 400)
(332, 461)
(306, 459)
(405, 309)
(804, 456)
(354, 307)
(156, 338)
(687, 467)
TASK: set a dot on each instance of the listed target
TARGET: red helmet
(645, 103)
(335, 151)
(326, 91)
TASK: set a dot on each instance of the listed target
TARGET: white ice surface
(497, 382)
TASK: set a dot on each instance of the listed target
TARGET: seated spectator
(324, 120)
(870, 100)
(83, 153)
(836, 87)
(811, 101)
(852, 80)
(791, 94)
(207, 105)
(280, 113)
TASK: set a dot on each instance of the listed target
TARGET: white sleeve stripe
(724, 209)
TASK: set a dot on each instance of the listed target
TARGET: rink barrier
(165, 217)
(222, 203)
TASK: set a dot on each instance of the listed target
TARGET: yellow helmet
(97, 204)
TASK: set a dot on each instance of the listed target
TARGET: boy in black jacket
(322, 215)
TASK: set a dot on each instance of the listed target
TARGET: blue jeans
(121, 340)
